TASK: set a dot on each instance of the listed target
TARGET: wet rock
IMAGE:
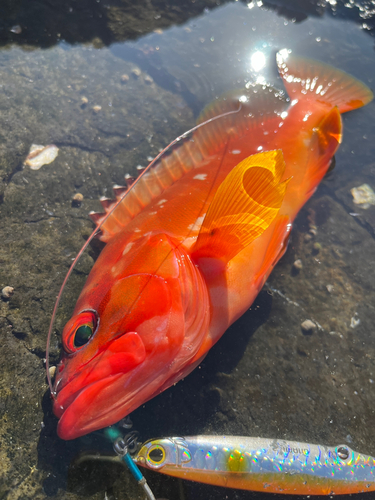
(96, 23)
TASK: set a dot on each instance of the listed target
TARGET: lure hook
(123, 446)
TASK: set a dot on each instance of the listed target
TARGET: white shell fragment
(7, 292)
(41, 155)
(363, 195)
(354, 322)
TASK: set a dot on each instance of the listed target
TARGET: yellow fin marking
(243, 207)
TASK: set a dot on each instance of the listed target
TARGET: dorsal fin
(310, 79)
(256, 103)
(243, 207)
(230, 116)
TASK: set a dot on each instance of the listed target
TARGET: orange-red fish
(192, 242)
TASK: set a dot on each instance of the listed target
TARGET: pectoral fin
(243, 207)
(325, 140)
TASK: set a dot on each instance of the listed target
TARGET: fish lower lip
(62, 402)
(74, 422)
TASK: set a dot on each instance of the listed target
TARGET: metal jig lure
(259, 464)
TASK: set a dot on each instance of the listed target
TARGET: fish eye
(83, 335)
(81, 330)
(156, 455)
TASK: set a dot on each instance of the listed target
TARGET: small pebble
(308, 327)
(329, 288)
(96, 108)
(7, 292)
(313, 231)
(317, 247)
(354, 322)
(52, 371)
(124, 78)
(136, 72)
(307, 237)
(297, 265)
(148, 79)
(77, 200)
(84, 102)
(16, 29)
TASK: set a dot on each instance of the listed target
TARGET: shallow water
(109, 104)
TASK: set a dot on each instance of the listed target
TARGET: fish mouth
(78, 388)
(74, 410)
(64, 399)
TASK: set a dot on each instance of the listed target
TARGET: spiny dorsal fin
(309, 79)
(243, 207)
(256, 105)
(249, 108)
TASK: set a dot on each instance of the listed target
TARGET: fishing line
(96, 231)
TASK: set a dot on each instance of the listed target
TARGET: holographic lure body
(272, 465)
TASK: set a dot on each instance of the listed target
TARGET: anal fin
(243, 207)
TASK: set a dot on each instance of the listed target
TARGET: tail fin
(306, 78)
(243, 207)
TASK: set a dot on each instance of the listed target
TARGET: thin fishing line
(97, 229)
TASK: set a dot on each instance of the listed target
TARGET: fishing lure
(190, 244)
(259, 464)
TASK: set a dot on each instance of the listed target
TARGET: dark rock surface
(44, 23)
